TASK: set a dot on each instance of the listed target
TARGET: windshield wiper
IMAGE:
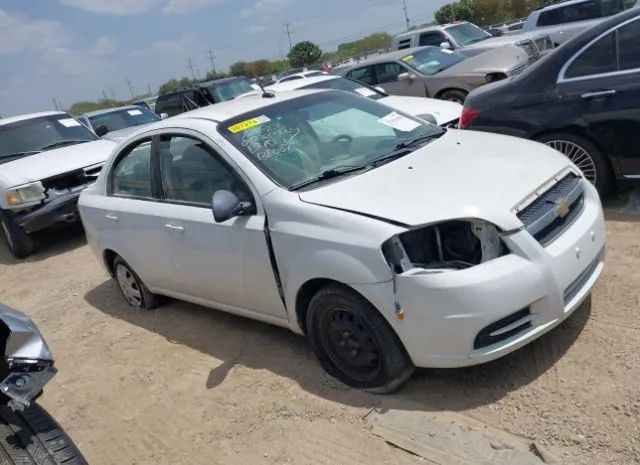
(62, 143)
(408, 143)
(19, 154)
(477, 39)
(329, 174)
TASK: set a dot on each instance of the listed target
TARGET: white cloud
(114, 7)
(19, 33)
(188, 6)
(105, 45)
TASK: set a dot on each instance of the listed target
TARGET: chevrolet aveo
(390, 242)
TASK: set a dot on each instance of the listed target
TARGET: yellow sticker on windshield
(244, 125)
(407, 58)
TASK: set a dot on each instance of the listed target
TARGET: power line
(406, 14)
(129, 85)
(288, 33)
(213, 63)
(190, 65)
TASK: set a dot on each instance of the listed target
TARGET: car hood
(124, 133)
(504, 40)
(463, 174)
(443, 111)
(501, 59)
(54, 162)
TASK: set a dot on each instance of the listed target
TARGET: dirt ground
(189, 385)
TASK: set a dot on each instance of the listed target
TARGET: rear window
(169, 104)
(584, 11)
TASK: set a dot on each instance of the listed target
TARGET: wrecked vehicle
(390, 242)
(27, 433)
(46, 159)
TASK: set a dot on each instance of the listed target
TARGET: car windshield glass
(467, 33)
(36, 135)
(347, 85)
(120, 119)
(229, 90)
(432, 60)
(319, 136)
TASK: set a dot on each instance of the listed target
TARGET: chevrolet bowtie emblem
(562, 208)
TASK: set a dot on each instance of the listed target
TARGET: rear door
(605, 77)
(366, 74)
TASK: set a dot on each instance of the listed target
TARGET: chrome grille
(530, 47)
(544, 43)
(518, 69)
(554, 210)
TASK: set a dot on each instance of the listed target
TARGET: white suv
(46, 159)
(391, 243)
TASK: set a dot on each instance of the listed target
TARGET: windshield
(347, 85)
(120, 119)
(432, 60)
(36, 135)
(229, 90)
(300, 140)
(467, 33)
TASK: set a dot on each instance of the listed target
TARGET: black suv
(583, 100)
(201, 95)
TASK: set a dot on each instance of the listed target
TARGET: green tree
(304, 54)
(210, 76)
(258, 68)
(83, 107)
(238, 69)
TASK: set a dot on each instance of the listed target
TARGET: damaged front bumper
(61, 209)
(26, 364)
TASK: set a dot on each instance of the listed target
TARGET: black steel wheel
(354, 343)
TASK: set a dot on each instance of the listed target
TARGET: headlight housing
(450, 245)
(494, 77)
(27, 194)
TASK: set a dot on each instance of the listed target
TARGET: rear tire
(586, 155)
(133, 289)
(454, 95)
(354, 343)
(32, 437)
(19, 243)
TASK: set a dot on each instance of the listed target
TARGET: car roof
(395, 55)
(104, 111)
(298, 83)
(225, 110)
(15, 119)
(438, 27)
(200, 85)
(553, 6)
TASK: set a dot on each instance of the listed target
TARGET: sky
(75, 50)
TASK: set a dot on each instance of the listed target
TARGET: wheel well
(439, 94)
(305, 294)
(109, 257)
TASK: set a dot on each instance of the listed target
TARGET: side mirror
(226, 205)
(446, 45)
(405, 77)
(101, 131)
(164, 115)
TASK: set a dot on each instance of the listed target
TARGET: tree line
(486, 12)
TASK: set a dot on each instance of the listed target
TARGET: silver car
(437, 72)
(118, 123)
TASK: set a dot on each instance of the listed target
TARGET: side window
(432, 38)
(597, 59)
(131, 176)
(201, 99)
(171, 105)
(364, 74)
(388, 72)
(404, 43)
(571, 13)
(192, 172)
(629, 46)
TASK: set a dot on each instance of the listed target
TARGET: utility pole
(288, 33)
(149, 89)
(212, 57)
(55, 104)
(406, 14)
(104, 94)
(130, 88)
(190, 65)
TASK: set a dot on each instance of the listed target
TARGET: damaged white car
(390, 242)
(46, 159)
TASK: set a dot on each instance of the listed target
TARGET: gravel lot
(188, 385)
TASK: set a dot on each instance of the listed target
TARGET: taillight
(467, 117)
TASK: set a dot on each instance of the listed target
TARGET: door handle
(599, 94)
(111, 217)
(174, 228)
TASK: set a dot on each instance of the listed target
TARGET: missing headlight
(450, 245)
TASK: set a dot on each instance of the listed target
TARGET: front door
(388, 79)
(226, 263)
(606, 79)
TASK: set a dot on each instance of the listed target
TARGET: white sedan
(391, 243)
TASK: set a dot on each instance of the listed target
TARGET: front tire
(32, 437)
(354, 343)
(454, 95)
(585, 155)
(133, 289)
(19, 243)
